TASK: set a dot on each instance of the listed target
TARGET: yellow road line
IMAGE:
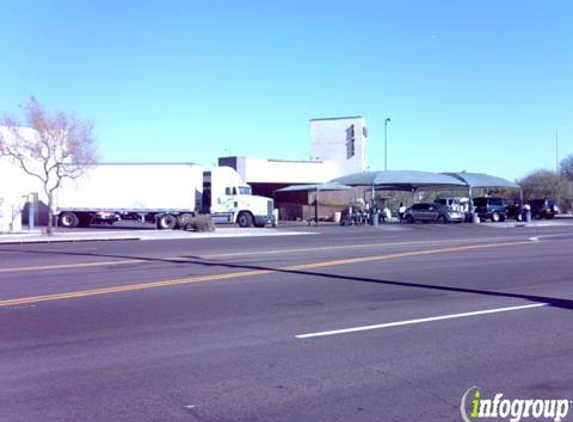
(403, 255)
(126, 288)
(226, 276)
(229, 255)
(66, 266)
(342, 247)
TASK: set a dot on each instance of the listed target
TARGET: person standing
(401, 211)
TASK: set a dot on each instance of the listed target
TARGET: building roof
(337, 118)
(482, 180)
(315, 187)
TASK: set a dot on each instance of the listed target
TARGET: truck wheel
(167, 222)
(245, 219)
(495, 217)
(441, 219)
(69, 220)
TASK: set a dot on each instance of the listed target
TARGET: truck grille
(270, 207)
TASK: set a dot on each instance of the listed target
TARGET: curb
(37, 241)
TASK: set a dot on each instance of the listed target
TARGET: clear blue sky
(480, 85)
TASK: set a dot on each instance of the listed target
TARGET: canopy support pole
(471, 207)
(372, 204)
(316, 207)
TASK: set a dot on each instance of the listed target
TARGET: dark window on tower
(350, 142)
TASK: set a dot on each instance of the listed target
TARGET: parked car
(437, 213)
(516, 210)
(457, 204)
(491, 208)
(543, 208)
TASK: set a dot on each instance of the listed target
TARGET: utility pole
(557, 150)
(386, 143)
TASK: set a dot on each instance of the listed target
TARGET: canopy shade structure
(316, 187)
(401, 180)
(482, 180)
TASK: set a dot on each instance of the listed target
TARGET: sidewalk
(562, 220)
(100, 235)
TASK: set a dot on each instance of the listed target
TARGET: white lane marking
(543, 236)
(418, 321)
(534, 239)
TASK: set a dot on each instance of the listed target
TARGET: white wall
(10, 214)
(331, 155)
(14, 184)
(262, 170)
(330, 140)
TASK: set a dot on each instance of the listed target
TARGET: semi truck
(165, 194)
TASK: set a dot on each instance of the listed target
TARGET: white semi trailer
(165, 194)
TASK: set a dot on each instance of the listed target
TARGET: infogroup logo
(474, 407)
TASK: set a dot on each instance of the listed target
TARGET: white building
(341, 141)
(16, 188)
(337, 148)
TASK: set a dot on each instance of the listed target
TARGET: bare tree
(542, 184)
(49, 147)
(566, 167)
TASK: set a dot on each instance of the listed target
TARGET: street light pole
(557, 150)
(386, 143)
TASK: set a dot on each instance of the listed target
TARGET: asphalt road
(349, 324)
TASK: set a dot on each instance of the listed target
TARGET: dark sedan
(543, 208)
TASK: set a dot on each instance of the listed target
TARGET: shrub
(200, 223)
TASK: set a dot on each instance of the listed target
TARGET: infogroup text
(474, 406)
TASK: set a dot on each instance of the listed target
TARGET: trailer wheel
(69, 220)
(167, 222)
(245, 219)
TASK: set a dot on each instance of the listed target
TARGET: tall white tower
(341, 141)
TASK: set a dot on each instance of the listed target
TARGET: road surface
(349, 324)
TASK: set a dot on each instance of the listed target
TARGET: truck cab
(232, 200)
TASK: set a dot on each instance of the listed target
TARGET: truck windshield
(244, 190)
